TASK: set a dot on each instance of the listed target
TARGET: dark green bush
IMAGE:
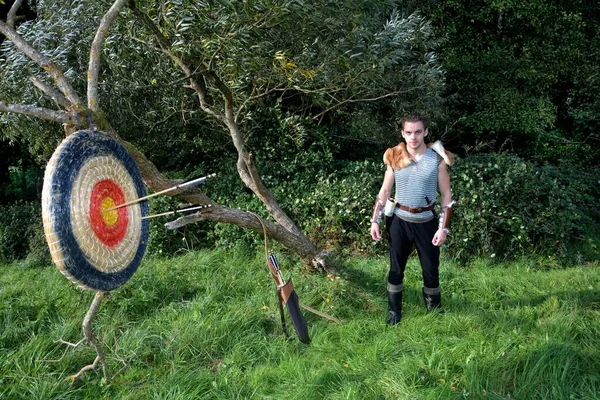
(330, 200)
(22, 235)
(164, 242)
(337, 207)
(508, 206)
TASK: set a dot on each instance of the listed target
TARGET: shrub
(21, 233)
(508, 206)
(38, 254)
(336, 210)
(330, 200)
(164, 242)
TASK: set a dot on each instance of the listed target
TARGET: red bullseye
(109, 226)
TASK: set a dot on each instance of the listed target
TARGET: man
(417, 170)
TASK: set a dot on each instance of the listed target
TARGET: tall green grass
(206, 326)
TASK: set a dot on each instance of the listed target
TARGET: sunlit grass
(206, 326)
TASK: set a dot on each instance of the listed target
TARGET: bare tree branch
(347, 101)
(96, 53)
(12, 13)
(51, 92)
(165, 46)
(38, 112)
(43, 61)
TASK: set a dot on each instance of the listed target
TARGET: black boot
(394, 305)
(432, 301)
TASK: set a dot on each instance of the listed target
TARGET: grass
(206, 326)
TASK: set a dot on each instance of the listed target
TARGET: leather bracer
(377, 211)
(445, 216)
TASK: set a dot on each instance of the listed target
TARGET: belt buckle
(419, 209)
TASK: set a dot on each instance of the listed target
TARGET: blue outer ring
(76, 150)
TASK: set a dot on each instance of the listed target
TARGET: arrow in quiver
(287, 295)
(93, 245)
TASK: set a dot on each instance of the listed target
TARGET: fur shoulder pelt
(397, 157)
(445, 154)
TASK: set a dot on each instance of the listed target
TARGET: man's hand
(375, 232)
(439, 238)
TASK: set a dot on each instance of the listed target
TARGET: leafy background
(509, 87)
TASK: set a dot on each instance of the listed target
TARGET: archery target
(95, 247)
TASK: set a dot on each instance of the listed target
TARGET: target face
(93, 245)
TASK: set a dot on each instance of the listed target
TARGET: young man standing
(417, 170)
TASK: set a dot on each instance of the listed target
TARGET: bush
(22, 235)
(330, 200)
(507, 206)
(164, 242)
(336, 210)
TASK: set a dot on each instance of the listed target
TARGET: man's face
(414, 133)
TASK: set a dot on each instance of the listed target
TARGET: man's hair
(415, 118)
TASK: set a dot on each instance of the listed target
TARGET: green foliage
(20, 176)
(330, 200)
(336, 210)
(523, 76)
(508, 207)
(22, 235)
(24, 182)
(343, 53)
(164, 242)
(206, 326)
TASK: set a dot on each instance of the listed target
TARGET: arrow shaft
(191, 183)
(176, 211)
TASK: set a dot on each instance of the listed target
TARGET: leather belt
(415, 210)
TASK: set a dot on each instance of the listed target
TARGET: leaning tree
(233, 57)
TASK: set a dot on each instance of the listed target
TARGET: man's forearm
(446, 200)
(377, 211)
(446, 214)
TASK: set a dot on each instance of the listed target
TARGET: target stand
(94, 247)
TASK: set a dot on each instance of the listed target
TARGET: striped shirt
(415, 182)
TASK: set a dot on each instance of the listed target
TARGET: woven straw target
(95, 247)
